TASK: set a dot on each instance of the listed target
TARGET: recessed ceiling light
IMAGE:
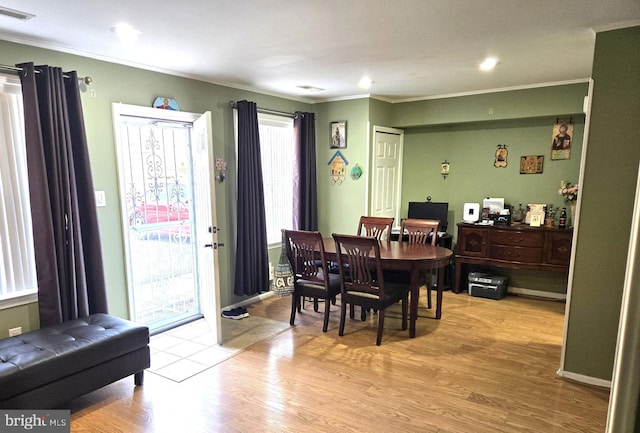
(125, 32)
(365, 82)
(488, 64)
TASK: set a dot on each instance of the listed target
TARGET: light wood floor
(486, 367)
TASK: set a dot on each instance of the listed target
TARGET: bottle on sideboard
(562, 223)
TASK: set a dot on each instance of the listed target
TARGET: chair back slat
(419, 230)
(377, 227)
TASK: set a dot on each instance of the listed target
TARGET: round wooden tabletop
(402, 255)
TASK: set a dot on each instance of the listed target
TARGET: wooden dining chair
(309, 279)
(365, 285)
(422, 231)
(377, 227)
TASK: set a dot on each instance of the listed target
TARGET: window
(277, 152)
(17, 260)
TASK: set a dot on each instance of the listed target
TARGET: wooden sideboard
(514, 247)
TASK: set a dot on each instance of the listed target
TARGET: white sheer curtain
(17, 262)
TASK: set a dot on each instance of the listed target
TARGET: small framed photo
(338, 134)
(536, 220)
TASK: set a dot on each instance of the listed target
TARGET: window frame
(10, 83)
(286, 123)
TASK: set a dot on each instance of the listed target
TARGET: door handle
(214, 245)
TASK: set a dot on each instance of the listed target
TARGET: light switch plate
(101, 199)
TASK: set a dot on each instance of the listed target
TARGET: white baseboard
(588, 380)
(538, 293)
(251, 300)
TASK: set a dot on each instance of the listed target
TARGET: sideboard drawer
(517, 238)
(516, 254)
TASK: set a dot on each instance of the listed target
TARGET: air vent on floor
(15, 14)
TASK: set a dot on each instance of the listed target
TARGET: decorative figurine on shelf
(550, 220)
(527, 215)
(518, 215)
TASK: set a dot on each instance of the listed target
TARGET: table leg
(414, 283)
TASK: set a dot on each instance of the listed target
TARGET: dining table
(413, 258)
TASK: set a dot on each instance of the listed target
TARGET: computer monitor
(430, 211)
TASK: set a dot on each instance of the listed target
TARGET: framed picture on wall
(338, 134)
(531, 164)
(561, 139)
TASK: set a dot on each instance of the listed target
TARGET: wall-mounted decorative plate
(166, 103)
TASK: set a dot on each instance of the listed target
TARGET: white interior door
(386, 173)
(205, 217)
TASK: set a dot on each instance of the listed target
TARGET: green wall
(608, 191)
(470, 149)
(505, 105)
(117, 83)
(24, 316)
(341, 205)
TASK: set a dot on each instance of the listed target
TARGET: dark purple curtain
(305, 193)
(252, 262)
(65, 224)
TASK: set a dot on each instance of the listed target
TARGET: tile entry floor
(182, 352)
(187, 350)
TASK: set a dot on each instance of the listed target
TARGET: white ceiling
(410, 48)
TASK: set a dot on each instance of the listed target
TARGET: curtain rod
(86, 80)
(267, 111)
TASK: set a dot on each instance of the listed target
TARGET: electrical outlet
(15, 331)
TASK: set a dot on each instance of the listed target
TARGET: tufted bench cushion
(97, 345)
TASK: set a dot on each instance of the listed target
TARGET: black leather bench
(46, 368)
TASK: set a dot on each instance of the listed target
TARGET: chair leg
(352, 311)
(380, 327)
(429, 281)
(404, 313)
(315, 304)
(327, 304)
(363, 314)
(295, 305)
(343, 316)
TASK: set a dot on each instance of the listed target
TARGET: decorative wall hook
(444, 171)
(221, 169)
